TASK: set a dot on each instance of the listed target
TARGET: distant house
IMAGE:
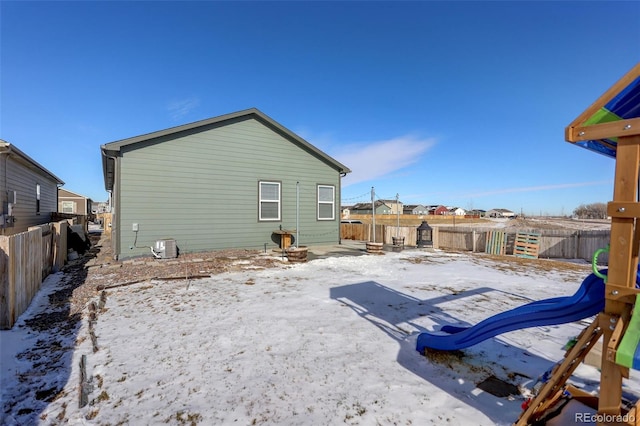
(232, 181)
(457, 211)
(346, 211)
(100, 207)
(477, 212)
(438, 210)
(381, 208)
(72, 203)
(500, 213)
(28, 191)
(417, 209)
(395, 207)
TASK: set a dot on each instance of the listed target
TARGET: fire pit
(425, 235)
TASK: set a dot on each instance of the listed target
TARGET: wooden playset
(610, 126)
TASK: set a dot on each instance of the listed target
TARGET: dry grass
(520, 264)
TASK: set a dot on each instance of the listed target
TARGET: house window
(37, 198)
(269, 201)
(326, 202)
(68, 207)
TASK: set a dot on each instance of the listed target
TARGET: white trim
(332, 202)
(261, 200)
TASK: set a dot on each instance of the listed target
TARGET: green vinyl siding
(202, 189)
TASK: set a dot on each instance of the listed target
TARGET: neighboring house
(365, 208)
(72, 203)
(28, 191)
(393, 206)
(477, 212)
(100, 207)
(346, 211)
(231, 181)
(457, 211)
(415, 209)
(500, 213)
(360, 208)
(438, 210)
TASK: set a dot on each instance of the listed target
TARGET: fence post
(7, 290)
(60, 244)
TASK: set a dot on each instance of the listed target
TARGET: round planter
(297, 255)
(374, 248)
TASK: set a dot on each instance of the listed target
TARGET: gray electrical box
(166, 249)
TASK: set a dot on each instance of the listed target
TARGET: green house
(232, 181)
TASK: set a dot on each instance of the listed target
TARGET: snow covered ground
(331, 341)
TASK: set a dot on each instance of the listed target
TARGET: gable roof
(112, 148)
(367, 205)
(72, 194)
(616, 113)
(8, 148)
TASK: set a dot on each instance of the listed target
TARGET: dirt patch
(498, 387)
(104, 272)
(522, 265)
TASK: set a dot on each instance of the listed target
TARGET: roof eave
(116, 146)
(9, 149)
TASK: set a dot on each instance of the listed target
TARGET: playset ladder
(553, 389)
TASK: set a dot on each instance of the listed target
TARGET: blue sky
(455, 103)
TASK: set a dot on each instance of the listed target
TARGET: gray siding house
(382, 207)
(226, 182)
(28, 191)
(417, 209)
(500, 213)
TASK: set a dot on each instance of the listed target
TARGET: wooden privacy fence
(553, 244)
(25, 261)
(362, 232)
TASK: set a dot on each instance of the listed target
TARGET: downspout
(297, 213)
(4, 195)
(5, 154)
(58, 186)
(114, 240)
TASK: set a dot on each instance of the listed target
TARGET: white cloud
(180, 108)
(377, 159)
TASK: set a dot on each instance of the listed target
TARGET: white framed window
(326, 202)
(68, 207)
(269, 201)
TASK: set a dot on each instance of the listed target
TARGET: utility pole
(398, 215)
(297, 212)
(373, 212)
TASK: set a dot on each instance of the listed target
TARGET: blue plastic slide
(586, 302)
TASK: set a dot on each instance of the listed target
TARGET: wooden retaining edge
(84, 384)
(93, 318)
(102, 287)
